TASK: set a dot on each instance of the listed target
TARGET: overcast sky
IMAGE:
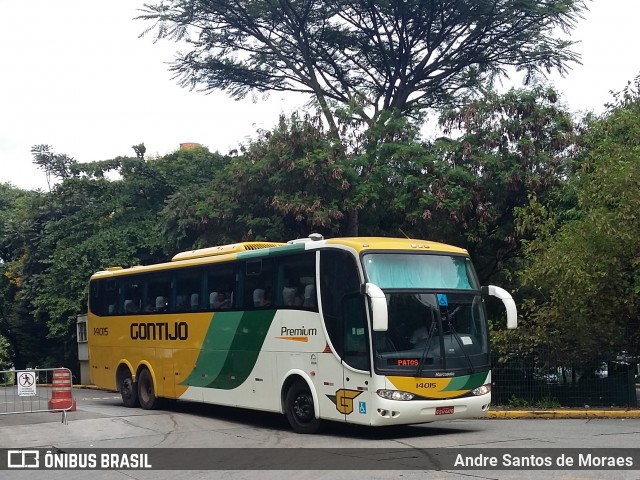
(76, 76)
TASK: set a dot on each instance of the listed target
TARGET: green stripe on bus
(466, 382)
(213, 354)
(231, 348)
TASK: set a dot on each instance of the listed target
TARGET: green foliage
(501, 151)
(5, 353)
(55, 165)
(52, 242)
(285, 184)
(294, 177)
(545, 403)
(583, 267)
(197, 209)
(26, 338)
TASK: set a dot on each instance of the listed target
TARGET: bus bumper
(396, 412)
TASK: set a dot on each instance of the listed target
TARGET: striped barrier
(61, 395)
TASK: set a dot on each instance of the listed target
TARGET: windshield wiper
(427, 346)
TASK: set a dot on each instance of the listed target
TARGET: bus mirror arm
(379, 313)
(507, 300)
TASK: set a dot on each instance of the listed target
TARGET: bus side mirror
(509, 304)
(379, 311)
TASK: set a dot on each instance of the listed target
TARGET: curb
(561, 414)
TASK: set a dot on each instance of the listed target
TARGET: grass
(545, 402)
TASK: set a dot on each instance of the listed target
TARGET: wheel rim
(303, 407)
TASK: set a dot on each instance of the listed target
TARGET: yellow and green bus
(371, 331)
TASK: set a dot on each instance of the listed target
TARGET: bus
(370, 331)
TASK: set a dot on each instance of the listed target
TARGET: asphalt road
(101, 422)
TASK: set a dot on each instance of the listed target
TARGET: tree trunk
(352, 223)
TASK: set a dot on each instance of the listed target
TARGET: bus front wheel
(129, 391)
(146, 392)
(299, 409)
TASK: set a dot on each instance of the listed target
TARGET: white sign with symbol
(26, 384)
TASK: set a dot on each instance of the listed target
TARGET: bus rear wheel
(299, 409)
(129, 391)
(146, 392)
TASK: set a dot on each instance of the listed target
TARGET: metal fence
(536, 382)
(36, 390)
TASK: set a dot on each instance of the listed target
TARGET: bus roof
(259, 249)
(384, 243)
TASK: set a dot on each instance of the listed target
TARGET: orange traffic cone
(61, 398)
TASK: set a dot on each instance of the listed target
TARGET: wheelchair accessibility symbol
(362, 407)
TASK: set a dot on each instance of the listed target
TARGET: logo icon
(23, 458)
(362, 407)
(343, 400)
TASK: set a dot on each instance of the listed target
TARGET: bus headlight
(483, 390)
(395, 395)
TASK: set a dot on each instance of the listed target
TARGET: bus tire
(146, 392)
(299, 409)
(129, 391)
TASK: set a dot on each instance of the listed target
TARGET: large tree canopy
(368, 55)
(364, 62)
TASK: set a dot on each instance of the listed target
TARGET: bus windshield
(433, 335)
(420, 271)
(437, 321)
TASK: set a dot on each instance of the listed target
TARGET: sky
(75, 75)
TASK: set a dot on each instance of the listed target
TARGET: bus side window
(195, 301)
(157, 293)
(296, 281)
(220, 285)
(132, 296)
(188, 287)
(104, 296)
(258, 284)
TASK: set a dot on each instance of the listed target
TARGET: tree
(140, 150)
(284, 184)
(90, 223)
(53, 164)
(26, 338)
(288, 182)
(505, 149)
(362, 61)
(194, 214)
(51, 243)
(582, 267)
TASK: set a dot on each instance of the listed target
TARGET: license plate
(444, 410)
